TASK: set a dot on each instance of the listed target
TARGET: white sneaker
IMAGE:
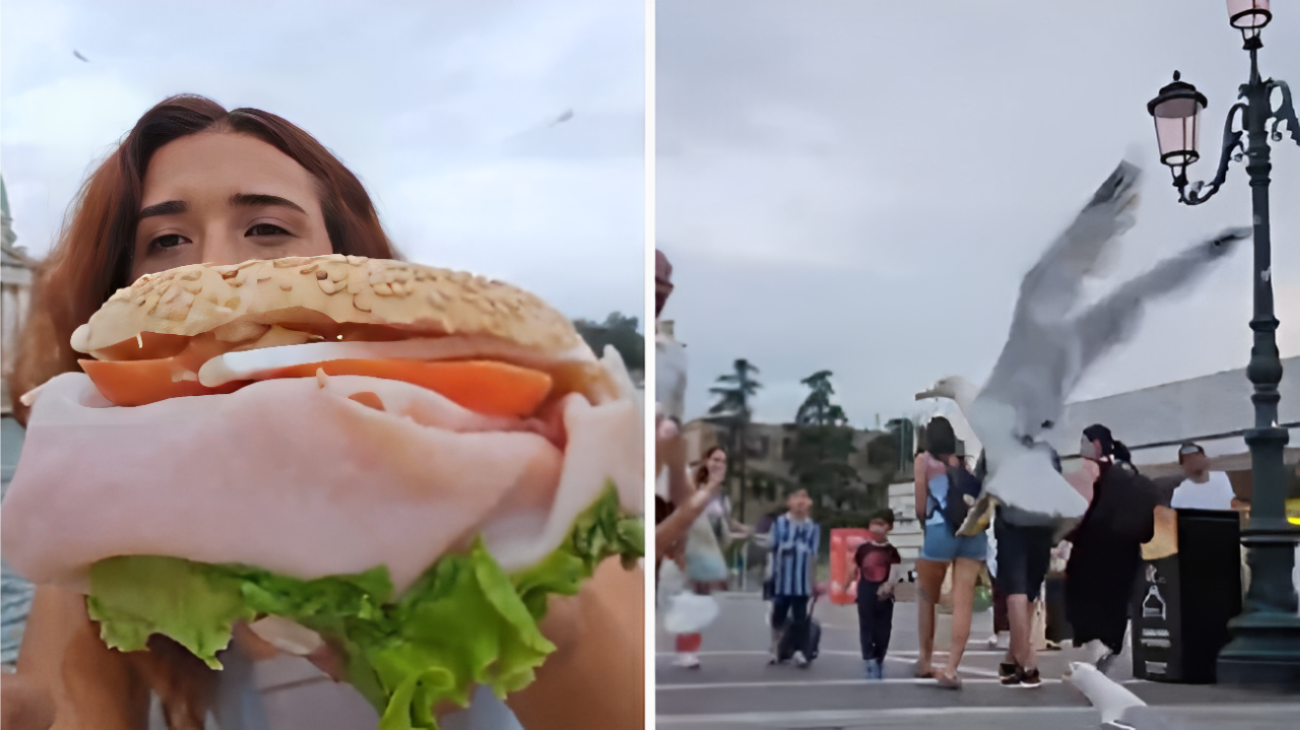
(799, 659)
(687, 661)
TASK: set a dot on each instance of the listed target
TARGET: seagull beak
(927, 394)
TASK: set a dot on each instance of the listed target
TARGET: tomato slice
(141, 382)
(484, 386)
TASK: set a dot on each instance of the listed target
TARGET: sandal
(948, 682)
(923, 673)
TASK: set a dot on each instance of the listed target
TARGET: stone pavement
(736, 690)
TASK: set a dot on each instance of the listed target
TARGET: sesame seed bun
(326, 291)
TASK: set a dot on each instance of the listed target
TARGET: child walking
(875, 568)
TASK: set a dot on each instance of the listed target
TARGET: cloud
(437, 107)
(859, 187)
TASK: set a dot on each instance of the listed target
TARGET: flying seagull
(564, 117)
(77, 53)
(1050, 347)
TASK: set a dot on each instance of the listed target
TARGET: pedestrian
(192, 147)
(1024, 553)
(936, 470)
(876, 565)
(709, 477)
(1000, 638)
(1106, 548)
(1201, 488)
(795, 540)
(673, 521)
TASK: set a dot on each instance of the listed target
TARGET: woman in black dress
(1106, 552)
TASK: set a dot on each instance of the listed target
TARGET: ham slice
(298, 477)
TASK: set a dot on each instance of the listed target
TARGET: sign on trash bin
(1156, 622)
(1188, 589)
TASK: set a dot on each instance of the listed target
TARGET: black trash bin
(1183, 602)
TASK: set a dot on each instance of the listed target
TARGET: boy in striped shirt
(794, 542)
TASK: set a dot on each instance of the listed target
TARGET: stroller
(812, 635)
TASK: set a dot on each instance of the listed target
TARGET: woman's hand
(258, 649)
(670, 454)
(596, 677)
(23, 704)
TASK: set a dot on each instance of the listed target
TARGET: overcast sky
(860, 186)
(443, 110)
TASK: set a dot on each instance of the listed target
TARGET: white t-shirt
(670, 376)
(1215, 493)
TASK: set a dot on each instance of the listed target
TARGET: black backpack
(963, 489)
(961, 484)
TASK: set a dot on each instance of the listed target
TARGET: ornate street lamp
(1265, 645)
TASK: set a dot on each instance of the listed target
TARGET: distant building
(769, 444)
(1212, 410)
(16, 283)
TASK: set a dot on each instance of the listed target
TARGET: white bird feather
(1048, 350)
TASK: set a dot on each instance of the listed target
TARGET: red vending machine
(844, 542)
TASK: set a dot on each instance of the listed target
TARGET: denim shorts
(943, 545)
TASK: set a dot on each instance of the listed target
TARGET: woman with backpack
(942, 484)
(1107, 548)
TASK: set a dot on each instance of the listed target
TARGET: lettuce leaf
(465, 622)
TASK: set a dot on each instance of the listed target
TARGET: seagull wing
(1052, 288)
(1039, 361)
(1115, 319)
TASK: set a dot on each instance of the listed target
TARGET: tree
(823, 444)
(817, 409)
(621, 332)
(732, 411)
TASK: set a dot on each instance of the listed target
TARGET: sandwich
(401, 462)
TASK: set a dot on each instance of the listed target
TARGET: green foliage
(733, 411)
(819, 459)
(465, 622)
(621, 332)
(735, 390)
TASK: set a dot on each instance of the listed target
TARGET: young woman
(1107, 548)
(708, 477)
(194, 183)
(940, 548)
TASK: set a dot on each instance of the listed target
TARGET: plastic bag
(688, 613)
(671, 582)
(704, 560)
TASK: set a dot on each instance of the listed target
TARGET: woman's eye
(266, 229)
(171, 240)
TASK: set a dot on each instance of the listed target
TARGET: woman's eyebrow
(258, 200)
(171, 207)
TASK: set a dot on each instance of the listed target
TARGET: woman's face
(718, 464)
(225, 198)
(1090, 449)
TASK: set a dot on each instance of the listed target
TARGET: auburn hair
(93, 258)
(702, 471)
(95, 251)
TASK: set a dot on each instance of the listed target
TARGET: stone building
(769, 444)
(16, 282)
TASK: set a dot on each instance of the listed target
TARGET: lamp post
(1265, 645)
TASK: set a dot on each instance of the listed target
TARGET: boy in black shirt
(875, 568)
